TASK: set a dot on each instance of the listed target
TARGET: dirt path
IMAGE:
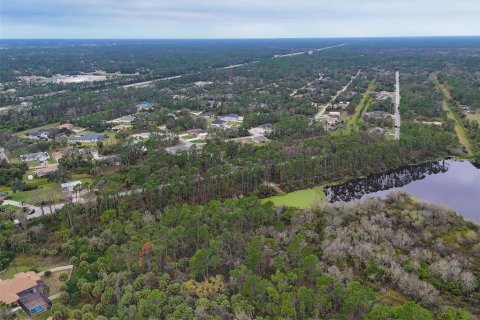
(459, 129)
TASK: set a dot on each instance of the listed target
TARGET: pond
(455, 184)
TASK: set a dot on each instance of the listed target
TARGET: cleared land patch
(303, 199)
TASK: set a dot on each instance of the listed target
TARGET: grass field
(47, 126)
(46, 191)
(303, 199)
(53, 282)
(475, 116)
(24, 262)
(459, 129)
(362, 106)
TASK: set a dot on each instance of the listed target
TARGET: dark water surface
(455, 184)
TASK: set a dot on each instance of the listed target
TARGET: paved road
(47, 210)
(146, 83)
(397, 106)
(303, 52)
(3, 156)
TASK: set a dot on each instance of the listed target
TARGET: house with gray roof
(87, 138)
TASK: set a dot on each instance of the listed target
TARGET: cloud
(236, 19)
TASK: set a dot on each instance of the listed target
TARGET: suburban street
(322, 111)
(39, 211)
(397, 106)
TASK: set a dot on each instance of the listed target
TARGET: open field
(362, 107)
(303, 199)
(459, 129)
(53, 281)
(24, 262)
(475, 116)
(47, 126)
(46, 191)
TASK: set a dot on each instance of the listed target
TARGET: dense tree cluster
(239, 259)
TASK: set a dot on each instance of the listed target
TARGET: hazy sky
(236, 18)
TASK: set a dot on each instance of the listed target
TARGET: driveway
(47, 210)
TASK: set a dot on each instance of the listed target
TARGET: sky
(171, 19)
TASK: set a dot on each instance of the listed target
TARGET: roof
(46, 170)
(35, 155)
(70, 184)
(260, 138)
(128, 118)
(39, 133)
(88, 136)
(21, 282)
(119, 127)
(179, 148)
(218, 121)
(67, 126)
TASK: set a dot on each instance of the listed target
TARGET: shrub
(63, 276)
(48, 273)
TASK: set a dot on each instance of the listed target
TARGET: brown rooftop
(21, 282)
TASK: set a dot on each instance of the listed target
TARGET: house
(232, 117)
(40, 134)
(142, 136)
(69, 186)
(44, 171)
(218, 122)
(67, 126)
(37, 156)
(343, 104)
(119, 128)
(125, 119)
(384, 95)
(196, 132)
(145, 105)
(182, 148)
(260, 139)
(88, 138)
(26, 290)
(334, 114)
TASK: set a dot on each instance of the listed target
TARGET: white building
(69, 186)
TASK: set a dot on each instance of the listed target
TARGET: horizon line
(261, 38)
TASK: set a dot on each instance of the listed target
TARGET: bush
(48, 273)
(63, 276)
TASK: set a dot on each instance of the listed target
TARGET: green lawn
(53, 282)
(303, 199)
(7, 207)
(187, 136)
(47, 126)
(459, 129)
(46, 190)
(475, 116)
(362, 106)
(24, 262)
